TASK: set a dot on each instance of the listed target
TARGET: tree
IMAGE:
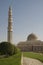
(7, 48)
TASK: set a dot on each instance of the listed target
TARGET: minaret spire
(10, 25)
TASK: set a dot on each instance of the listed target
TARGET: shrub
(16, 50)
(7, 48)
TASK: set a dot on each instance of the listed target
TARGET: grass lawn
(12, 60)
(33, 55)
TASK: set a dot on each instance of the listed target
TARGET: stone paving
(30, 61)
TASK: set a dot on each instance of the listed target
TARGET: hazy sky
(27, 18)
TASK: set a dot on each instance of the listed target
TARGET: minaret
(10, 25)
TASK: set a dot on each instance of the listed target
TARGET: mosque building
(31, 44)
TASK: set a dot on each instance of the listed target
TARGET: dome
(31, 37)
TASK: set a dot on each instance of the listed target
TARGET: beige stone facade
(32, 44)
(35, 46)
(10, 25)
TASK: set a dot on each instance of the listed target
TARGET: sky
(27, 18)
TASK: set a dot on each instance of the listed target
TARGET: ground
(30, 61)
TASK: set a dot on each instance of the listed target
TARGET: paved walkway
(30, 61)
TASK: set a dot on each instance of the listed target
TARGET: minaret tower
(10, 25)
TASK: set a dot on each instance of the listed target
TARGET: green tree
(7, 48)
